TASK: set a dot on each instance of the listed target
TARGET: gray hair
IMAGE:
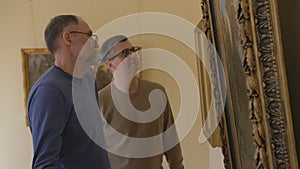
(105, 51)
(54, 29)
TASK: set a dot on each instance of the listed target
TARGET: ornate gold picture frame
(257, 129)
(35, 61)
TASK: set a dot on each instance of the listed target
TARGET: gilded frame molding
(263, 66)
(35, 61)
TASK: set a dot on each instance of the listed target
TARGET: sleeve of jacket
(174, 154)
(48, 115)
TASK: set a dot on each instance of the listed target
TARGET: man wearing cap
(138, 122)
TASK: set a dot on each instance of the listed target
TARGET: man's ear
(110, 65)
(67, 38)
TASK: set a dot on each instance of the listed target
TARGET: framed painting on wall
(35, 61)
(257, 121)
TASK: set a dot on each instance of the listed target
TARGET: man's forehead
(122, 45)
(83, 25)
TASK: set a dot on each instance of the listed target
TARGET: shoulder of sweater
(105, 90)
(151, 83)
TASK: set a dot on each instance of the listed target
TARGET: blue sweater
(59, 140)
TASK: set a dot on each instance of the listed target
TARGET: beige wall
(22, 26)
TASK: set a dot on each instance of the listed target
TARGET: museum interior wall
(22, 26)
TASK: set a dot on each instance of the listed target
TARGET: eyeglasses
(126, 52)
(95, 37)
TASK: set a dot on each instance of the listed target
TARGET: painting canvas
(228, 44)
